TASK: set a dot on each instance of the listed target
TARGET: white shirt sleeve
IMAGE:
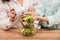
(4, 20)
(55, 19)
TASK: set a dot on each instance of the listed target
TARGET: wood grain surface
(42, 34)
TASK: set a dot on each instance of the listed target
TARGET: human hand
(12, 14)
(31, 9)
(36, 18)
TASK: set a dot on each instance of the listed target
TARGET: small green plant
(28, 28)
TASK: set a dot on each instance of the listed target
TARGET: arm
(51, 20)
(6, 18)
(41, 18)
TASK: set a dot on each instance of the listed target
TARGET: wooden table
(42, 34)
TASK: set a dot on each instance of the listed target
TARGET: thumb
(12, 9)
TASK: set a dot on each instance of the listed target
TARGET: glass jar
(28, 28)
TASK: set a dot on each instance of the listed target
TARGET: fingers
(31, 9)
(34, 18)
(22, 14)
(29, 13)
(11, 19)
(12, 14)
(37, 18)
(12, 9)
